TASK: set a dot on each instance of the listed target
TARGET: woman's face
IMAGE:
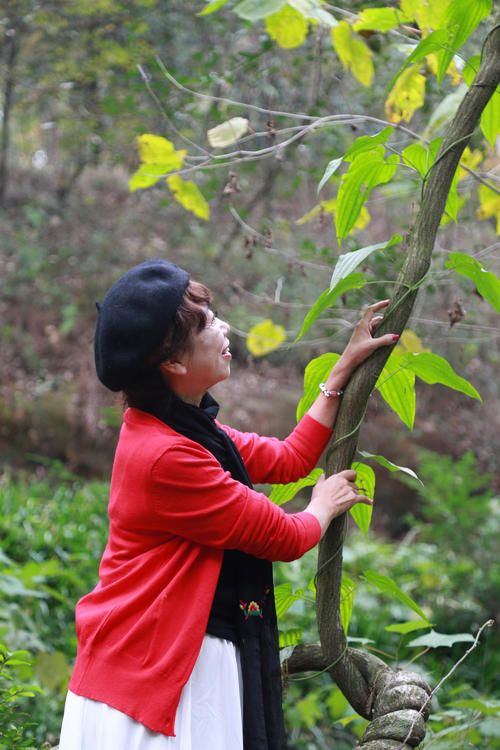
(205, 363)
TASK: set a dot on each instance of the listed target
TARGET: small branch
(169, 122)
(273, 250)
(487, 624)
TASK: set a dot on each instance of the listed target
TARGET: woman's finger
(364, 499)
(349, 474)
(378, 305)
(375, 321)
(387, 340)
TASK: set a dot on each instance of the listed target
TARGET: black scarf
(243, 609)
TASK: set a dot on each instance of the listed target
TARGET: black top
(243, 609)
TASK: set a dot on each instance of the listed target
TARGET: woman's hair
(190, 317)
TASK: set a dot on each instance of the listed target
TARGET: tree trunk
(390, 699)
(11, 38)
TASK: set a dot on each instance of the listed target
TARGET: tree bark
(354, 679)
(12, 48)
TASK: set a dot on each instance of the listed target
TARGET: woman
(177, 644)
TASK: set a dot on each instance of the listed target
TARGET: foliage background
(73, 103)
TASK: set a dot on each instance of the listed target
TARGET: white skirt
(209, 717)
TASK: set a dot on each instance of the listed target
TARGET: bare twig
(273, 250)
(487, 624)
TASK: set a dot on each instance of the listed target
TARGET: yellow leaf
(363, 219)
(288, 27)
(329, 207)
(429, 14)
(470, 159)
(140, 180)
(489, 205)
(379, 19)
(406, 96)
(411, 342)
(148, 174)
(157, 150)
(309, 215)
(228, 132)
(353, 53)
(326, 206)
(432, 67)
(189, 196)
(265, 337)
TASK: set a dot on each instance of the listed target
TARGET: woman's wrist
(340, 374)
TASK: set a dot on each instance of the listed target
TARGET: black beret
(134, 318)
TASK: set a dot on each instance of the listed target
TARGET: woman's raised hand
(335, 495)
(362, 344)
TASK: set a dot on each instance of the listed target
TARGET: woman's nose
(225, 326)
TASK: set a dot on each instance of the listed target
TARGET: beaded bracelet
(324, 390)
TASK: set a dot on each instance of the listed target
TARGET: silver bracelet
(324, 390)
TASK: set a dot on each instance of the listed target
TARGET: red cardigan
(173, 510)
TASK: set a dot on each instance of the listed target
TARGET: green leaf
(212, 7)
(367, 143)
(331, 168)
(325, 300)
(430, 44)
(366, 171)
(284, 598)
(488, 708)
(289, 637)
(227, 132)
(389, 465)
(282, 493)
(396, 385)
(490, 119)
(470, 69)
(487, 283)
(452, 204)
(379, 19)
(52, 669)
(348, 262)
(347, 589)
(436, 640)
(461, 18)
(408, 627)
(309, 709)
(431, 368)
(188, 195)
(265, 337)
(417, 156)
(315, 373)
(253, 10)
(387, 586)
(365, 479)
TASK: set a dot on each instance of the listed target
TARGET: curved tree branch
(350, 673)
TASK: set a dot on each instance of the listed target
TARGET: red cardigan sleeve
(273, 461)
(193, 497)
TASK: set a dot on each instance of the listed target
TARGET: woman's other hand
(335, 495)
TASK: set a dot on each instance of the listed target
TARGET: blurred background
(79, 82)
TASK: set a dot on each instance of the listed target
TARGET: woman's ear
(173, 368)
